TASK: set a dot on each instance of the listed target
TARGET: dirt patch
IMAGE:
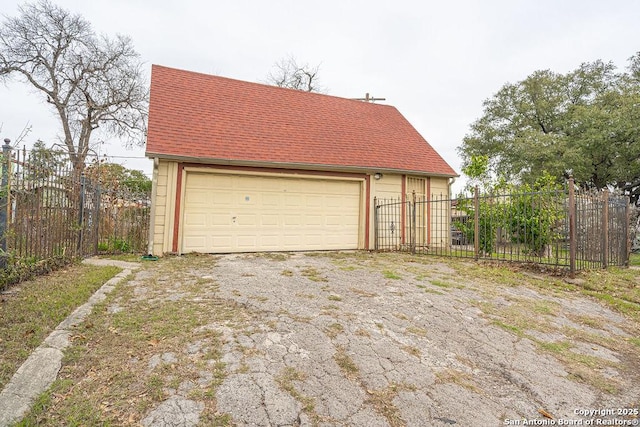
(346, 339)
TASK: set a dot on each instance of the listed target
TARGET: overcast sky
(434, 61)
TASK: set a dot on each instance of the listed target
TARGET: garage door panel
(227, 213)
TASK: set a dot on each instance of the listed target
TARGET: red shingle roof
(215, 119)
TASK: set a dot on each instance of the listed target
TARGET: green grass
(440, 283)
(389, 274)
(35, 307)
(635, 260)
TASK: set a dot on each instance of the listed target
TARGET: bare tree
(288, 73)
(89, 80)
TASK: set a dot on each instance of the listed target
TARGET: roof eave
(293, 165)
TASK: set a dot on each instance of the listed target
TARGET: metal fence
(570, 228)
(51, 214)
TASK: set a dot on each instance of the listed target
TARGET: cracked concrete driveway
(372, 340)
(360, 339)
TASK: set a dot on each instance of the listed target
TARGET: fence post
(96, 209)
(81, 215)
(605, 228)
(414, 226)
(4, 200)
(375, 223)
(476, 224)
(627, 234)
(572, 228)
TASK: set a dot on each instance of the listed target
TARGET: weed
(345, 363)
(509, 328)
(416, 330)
(286, 381)
(312, 274)
(382, 402)
(275, 256)
(440, 283)
(363, 293)
(463, 379)
(364, 333)
(401, 316)
(334, 297)
(287, 273)
(334, 329)
(389, 274)
(414, 351)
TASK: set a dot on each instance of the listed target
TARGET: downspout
(154, 194)
(452, 181)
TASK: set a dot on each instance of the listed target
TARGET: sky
(434, 61)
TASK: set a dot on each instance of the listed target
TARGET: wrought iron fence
(51, 214)
(570, 228)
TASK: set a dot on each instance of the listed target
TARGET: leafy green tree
(527, 214)
(114, 177)
(533, 213)
(43, 162)
(583, 123)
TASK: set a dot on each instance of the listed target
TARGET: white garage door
(242, 213)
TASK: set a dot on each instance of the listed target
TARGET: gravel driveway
(377, 340)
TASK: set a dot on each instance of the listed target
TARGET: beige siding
(389, 186)
(165, 207)
(440, 213)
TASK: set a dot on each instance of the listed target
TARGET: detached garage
(246, 167)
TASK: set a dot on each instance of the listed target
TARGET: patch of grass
(433, 291)
(400, 316)
(287, 273)
(591, 321)
(312, 274)
(634, 260)
(364, 333)
(334, 297)
(346, 364)
(440, 283)
(34, 308)
(105, 374)
(390, 274)
(275, 256)
(546, 307)
(155, 386)
(463, 379)
(559, 347)
(286, 380)
(414, 351)
(382, 402)
(307, 296)
(334, 329)
(363, 293)
(416, 330)
(509, 328)
(635, 341)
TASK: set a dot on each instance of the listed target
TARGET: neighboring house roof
(210, 119)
